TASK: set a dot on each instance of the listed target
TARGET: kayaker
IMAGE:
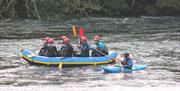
(43, 50)
(84, 46)
(51, 48)
(125, 61)
(66, 49)
(101, 49)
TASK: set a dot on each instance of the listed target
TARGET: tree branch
(39, 17)
(9, 3)
(27, 8)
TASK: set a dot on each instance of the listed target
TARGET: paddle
(74, 30)
(122, 67)
(81, 32)
(118, 58)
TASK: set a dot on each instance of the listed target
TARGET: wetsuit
(85, 50)
(67, 51)
(51, 50)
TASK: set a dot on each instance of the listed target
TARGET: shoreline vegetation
(68, 9)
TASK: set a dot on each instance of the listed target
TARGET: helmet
(83, 39)
(50, 41)
(66, 41)
(46, 39)
(97, 38)
(63, 37)
(126, 55)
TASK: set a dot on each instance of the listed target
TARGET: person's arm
(62, 51)
(42, 49)
(118, 59)
(56, 52)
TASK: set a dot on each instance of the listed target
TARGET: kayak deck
(118, 69)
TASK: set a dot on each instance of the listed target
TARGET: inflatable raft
(33, 57)
(118, 69)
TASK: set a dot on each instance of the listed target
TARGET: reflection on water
(154, 41)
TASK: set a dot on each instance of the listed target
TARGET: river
(154, 41)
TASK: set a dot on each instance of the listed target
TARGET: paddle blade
(81, 32)
(60, 65)
(123, 72)
(74, 30)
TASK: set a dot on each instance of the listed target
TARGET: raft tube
(33, 57)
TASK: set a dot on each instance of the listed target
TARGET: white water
(154, 41)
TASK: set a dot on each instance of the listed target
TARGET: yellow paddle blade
(60, 65)
(74, 30)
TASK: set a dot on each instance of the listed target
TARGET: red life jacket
(124, 63)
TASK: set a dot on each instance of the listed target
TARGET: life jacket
(85, 50)
(102, 47)
(67, 50)
(51, 50)
(124, 62)
(127, 63)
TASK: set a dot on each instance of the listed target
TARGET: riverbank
(68, 9)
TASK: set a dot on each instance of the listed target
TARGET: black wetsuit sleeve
(55, 49)
(43, 48)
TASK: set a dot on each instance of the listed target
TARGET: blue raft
(33, 57)
(118, 69)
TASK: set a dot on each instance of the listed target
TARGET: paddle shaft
(100, 52)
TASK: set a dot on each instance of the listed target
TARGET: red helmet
(66, 41)
(97, 38)
(46, 39)
(83, 39)
(50, 41)
(63, 37)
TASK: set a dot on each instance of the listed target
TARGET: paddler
(43, 50)
(51, 48)
(84, 47)
(67, 49)
(101, 49)
(125, 60)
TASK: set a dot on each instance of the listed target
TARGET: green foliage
(116, 4)
(56, 9)
(151, 9)
(7, 8)
(168, 4)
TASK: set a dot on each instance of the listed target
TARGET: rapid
(154, 41)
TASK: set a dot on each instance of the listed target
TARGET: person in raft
(67, 49)
(61, 45)
(125, 60)
(101, 49)
(84, 47)
(43, 50)
(51, 48)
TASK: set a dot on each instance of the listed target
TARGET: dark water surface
(154, 41)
